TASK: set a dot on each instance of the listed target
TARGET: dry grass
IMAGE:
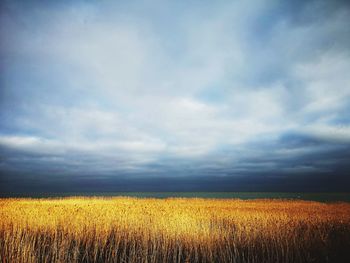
(172, 230)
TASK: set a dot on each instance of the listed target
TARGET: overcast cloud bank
(110, 92)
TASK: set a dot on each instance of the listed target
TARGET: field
(125, 229)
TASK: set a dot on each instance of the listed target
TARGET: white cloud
(137, 83)
(327, 82)
(330, 133)
(32, 144)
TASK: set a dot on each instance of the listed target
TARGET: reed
(121, 229)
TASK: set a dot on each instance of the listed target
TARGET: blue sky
(203, 95)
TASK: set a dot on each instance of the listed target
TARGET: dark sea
(320, 197)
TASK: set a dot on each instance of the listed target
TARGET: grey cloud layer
(103, 90)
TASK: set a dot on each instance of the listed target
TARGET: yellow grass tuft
(122, 229)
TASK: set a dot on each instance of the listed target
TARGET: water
(320, 197)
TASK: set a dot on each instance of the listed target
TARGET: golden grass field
(122, 229)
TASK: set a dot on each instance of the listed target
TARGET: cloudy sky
(174, 95)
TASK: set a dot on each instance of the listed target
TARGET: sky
(174, 96)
